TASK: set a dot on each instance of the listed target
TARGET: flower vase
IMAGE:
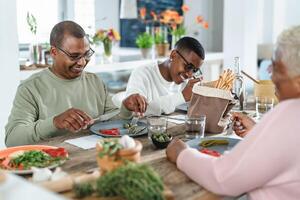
(145, 52)
(162, 50)
(35, 53)
(107, 55)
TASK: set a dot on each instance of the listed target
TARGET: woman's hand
(242, 124)
(174, 149)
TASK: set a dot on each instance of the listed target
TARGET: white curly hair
(288, 43)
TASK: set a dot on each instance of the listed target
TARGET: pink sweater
(266, 164)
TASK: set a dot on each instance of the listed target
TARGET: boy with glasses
(168, 84)
(63, 98)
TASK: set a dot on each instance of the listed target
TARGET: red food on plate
(113, 131)
(210, 152)
(59, 152)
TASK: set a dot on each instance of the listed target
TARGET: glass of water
(263, 105)
(195, 127)
(156, 124)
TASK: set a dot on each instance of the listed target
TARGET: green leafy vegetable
(83, 190)
(131, 182)
(161, 137)
(110, 147)
(34, 158)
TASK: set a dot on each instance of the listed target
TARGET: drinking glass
(195, 127)
(156, 124)
(263, 105)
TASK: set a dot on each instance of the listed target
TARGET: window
(46, 14)
(84, 14)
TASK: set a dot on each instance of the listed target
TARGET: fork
(134, 120)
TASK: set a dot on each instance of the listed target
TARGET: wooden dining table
(179, 185)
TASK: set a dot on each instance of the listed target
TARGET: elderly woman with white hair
(266, 164)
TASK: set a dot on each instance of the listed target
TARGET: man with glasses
(168, 84)
(63, 98)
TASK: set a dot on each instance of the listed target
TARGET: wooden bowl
(109, 163)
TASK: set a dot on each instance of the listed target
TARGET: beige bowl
(109, 163)
(265, 88)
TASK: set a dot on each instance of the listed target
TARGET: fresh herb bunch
(31, 21)
(110, 147)
(131, 182)
(34, 158)
(144, 41)
(83, 189)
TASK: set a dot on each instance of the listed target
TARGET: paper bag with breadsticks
(213, 99)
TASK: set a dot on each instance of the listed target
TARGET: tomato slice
(210, 152)
(59, 152)
(113, 131)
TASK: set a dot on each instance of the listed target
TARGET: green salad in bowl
(161, 140)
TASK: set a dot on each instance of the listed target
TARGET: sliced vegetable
(33, 158)
(209, 143)
(132, 128)
(59, 152)
(210, 152)
(113, 131)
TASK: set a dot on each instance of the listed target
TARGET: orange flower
(185, 8)
(143, 12)
(199, 19)
(109, 34)
(205, 25)
(153, 14)
(178, 19)
(170, 16)
(116, 35)
(174, 26)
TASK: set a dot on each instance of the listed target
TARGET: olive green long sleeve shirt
(44, 95)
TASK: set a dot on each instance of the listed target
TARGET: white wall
(107, 14)
(9, 71)
(212, 11)
(274, 16)
(240, 34)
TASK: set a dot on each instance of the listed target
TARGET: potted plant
(35, 49)
(174, 21)
(144, 41)
(161, 42)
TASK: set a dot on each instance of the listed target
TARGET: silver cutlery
(134, 121)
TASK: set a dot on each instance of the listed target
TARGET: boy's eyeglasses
(189, 66)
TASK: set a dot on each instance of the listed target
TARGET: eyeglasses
(87, 55)
(189, 66)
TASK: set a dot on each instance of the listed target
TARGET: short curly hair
(190, 44)
(288, 43)
(65, 28)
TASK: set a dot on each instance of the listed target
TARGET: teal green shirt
(44, 95)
